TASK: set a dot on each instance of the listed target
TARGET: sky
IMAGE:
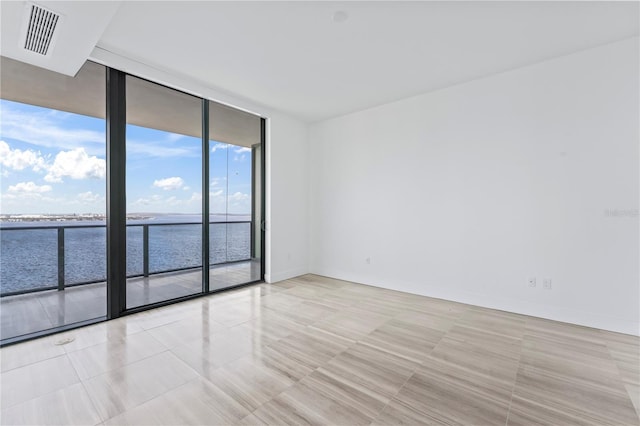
(53, 162)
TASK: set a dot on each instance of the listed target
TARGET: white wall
(287, 235)
(288, 217)
(465, 192)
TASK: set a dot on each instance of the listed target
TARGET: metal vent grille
(42, 24)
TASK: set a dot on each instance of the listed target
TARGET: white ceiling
(81, 24)
(293, 57)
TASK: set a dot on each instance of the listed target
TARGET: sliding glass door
(234, 216)
(164, 193)
(52, 217)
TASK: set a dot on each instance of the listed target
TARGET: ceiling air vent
(41, 28)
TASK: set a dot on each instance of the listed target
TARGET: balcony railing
(177, 249)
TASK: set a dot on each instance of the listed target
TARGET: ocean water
(29, 258)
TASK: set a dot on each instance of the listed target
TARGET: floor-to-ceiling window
(70, 156)
(164, 193)
(232, 212)
(52, 210)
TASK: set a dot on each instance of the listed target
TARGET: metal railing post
(145, 249)
(60, 258)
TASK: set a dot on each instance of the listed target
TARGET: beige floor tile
(251, 420)
(398, 413)
(492, 355)
(560, 331)
(625, 351)
(278, 358)
(368, 402)
(68, 406)
(113, 354)
(439, 307)
(489, 320)
(273, 325)
(634, 395)
(198, 402)
(428, 320)
(307, 313)
(551, 392)
(195, 327)
(311, 347)
(281, 301)
(588, 367)
(336, 300)
(224, 347)
(26, 353)
(301, 405)
(380, 372)
(448, 394)
(97, 333)
(236, 313)
(249, 383)
(411, 341)
(31, 381)
(352, 323)
(307, 291)
(124, 388)
(524, 412)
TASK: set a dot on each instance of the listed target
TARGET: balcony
(55, 275)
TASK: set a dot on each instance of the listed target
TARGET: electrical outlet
(532, 282)
(546, 283)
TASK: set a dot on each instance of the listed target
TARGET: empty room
(320, 213)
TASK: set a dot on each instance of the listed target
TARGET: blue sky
(54, 162)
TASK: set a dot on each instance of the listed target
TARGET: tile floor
(314, 350)
(28, 313)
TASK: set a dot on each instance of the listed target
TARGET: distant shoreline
(82, 217)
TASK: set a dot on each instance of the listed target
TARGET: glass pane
(52, 223)
(29, 259)
(164, 193)
(231, 198)
(174, 247)
(86, 255)
(135, 260)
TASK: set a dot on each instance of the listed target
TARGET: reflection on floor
(32, 312)
(314, 350)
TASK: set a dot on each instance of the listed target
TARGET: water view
(29, 246)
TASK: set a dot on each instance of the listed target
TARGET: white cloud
(169, 184)
(17, 159)
(76, 164)
(219, 146)
(236, 203)
(29, 187)
(239, 196)
(89, 197)
(47, 129)
(174, 137)
(217, 180)
(243, 150)
(154, 199)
